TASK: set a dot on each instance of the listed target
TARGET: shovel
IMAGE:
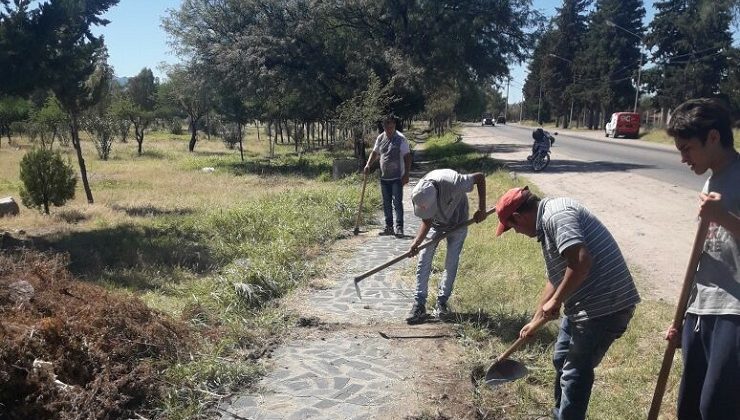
(359, 209)
(504, 370)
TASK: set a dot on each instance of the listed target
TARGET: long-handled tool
(359, 209)
(504, 370)
(407, 254)
(683, 299)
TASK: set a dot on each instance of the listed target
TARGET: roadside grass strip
(497, 288)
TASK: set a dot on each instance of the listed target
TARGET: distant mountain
(122, 81)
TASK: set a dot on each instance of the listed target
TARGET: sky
(135, 38)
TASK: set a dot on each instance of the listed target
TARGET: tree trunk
(257, 124)
(280, 129)
(239, 133)
(139, 135)
(208, 127)
(75, 132)
(193, 134)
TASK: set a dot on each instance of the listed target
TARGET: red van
(623, 124)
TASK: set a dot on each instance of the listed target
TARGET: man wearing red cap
(587, 275)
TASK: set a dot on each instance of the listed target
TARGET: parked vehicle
(501, 119)
(488, 120)
(623, 124)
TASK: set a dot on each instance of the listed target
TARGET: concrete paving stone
(340, 382)
(297, 386)
(327, 403)
(358, 364)
(347, 392)
(304, 413)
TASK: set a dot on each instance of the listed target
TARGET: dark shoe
(417, 314)
(399, 232)
(442, 310)
(386, 232)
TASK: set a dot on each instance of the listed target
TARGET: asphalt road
(590, 155)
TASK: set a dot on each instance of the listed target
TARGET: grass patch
(662, 137)
(447, 151)
(496, 292)
(212, 250)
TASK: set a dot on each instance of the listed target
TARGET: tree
(103, 129)
(559, 64)
(137, 105)
(537, 105)
(610, 57)
(48, 123)
(235, 110)
(77, 71)
(304, 59)
(190, 89)
(690, 40)
(47, 179)
(12, 109)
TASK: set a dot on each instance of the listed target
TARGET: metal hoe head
(504, 371)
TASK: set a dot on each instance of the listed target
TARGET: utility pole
(506, 112)
(539, 103)
(521, 108)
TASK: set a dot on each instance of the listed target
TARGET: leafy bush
(176, 126)
(49, 123)
(230, 135)
(103, 129)
(47, 179)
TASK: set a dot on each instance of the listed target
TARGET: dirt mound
(74, 350)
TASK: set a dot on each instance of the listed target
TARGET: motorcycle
(540, 157)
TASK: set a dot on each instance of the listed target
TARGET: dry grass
(166, 179)
(209, 249)
(660, 136)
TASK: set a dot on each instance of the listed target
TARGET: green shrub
(103, 130)
(47, 179)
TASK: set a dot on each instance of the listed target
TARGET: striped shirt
(608, 287)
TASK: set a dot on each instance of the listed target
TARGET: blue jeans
(455, 243)
(711, 368)
(392, 201)
(578, 350)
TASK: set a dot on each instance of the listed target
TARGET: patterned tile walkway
(352, 373)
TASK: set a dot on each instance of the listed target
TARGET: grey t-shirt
(717, 289)
(452, 201)
(608, 287)
(391, 153)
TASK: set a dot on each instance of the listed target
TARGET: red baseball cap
(508, 204)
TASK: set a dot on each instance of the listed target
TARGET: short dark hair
(696, 117)
(531, 203)
(389, 118)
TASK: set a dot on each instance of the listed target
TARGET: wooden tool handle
(521, 340)
(688, 283)
(362, 199)
(422, 246)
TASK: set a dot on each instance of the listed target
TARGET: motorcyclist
(541, 141)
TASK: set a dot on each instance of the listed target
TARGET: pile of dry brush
(70, 349)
